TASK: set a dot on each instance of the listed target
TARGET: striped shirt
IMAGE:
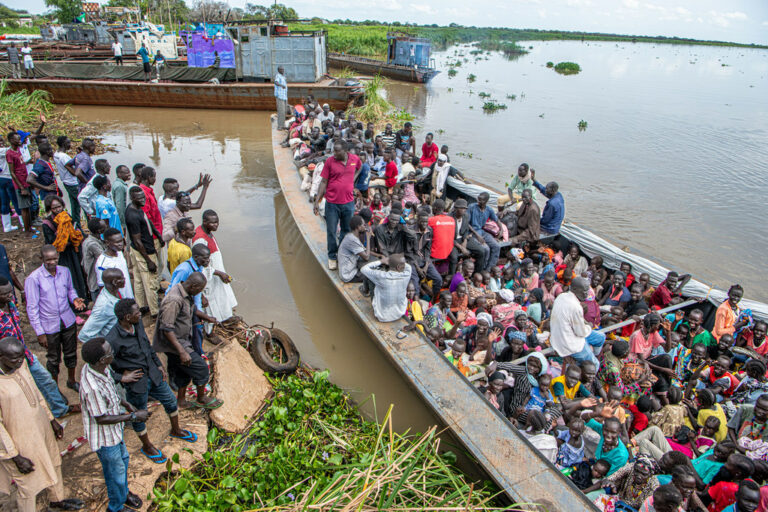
(388, 140)
(99, 397)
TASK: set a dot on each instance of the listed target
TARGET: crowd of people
(644, 402)
(142, 262)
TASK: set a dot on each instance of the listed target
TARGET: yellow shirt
(569, 393)
(177, 253)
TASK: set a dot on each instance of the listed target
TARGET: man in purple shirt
(49, 293)
(339, 174)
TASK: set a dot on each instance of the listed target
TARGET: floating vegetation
(312, 450)
(465, 155)
(378, 110)
(452, 73)
(471, 78)
(541, 116)
(493, 106)
(512, 97)
(582, 125)
(724, 65)
(450, 89)
(484, 95)
(567, 68)
(506, 47)
(439, 131)
(550, 64)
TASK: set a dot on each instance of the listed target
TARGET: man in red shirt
(390, 172)
(337, 187)
(148, 178)
(670, 287)
(443, 231)
(18, 169)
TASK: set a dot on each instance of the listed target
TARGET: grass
(484, 95)
(377, 109)
(312, 450)
(567, 68)
(550, 64)
(512, 97)
(452, 72)
(583, 125)
(508, 48)
(347, 72)
(471, 78)
(19, 30)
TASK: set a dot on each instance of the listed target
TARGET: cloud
(724, 19)
(423, 8)
(631, 4)
(542, 13)
(765, 23)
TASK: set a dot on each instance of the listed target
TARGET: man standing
(114, 243)
(479, 214)
(82, 166)
(88, 192)
(14, 61)
(148, 178)
(117, 50)
(102, 318)
(172, 194)
(70, 181)
(29, 64)
(120, 192)
(554, 211)
(133, 352)
(10, 325)
(390, 284)
(337, 187)
(571, 336)
(173, 336)
(29, 455)
(182, 204)
(103, 206)
(198, 261)
(49, 294)
(143, 254)
(103, 418)
(144, 54)
(18, 169)
(92, 248)
(179, 250)
(43, 176)
(218, 290)
(281, 95)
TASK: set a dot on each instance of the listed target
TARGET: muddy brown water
(277, 279)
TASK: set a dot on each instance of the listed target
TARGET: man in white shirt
(326, 114)
(570, 335)
(390, 285)
(117, 50)
(29, 64)
(113, 257)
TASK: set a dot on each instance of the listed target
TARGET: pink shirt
(341, 179)
(639, 344)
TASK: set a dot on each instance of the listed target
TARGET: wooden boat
(500, 450)
(374, 67)
(242, 96)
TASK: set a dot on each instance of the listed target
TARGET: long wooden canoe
(503, 453)
(378, 67)
(239, 96)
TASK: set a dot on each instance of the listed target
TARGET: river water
(276, 277)
(672, 164)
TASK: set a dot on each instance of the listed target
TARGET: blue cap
(23, 135)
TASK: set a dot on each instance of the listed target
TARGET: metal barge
(379, 67)
(499, 449)
(239, 96)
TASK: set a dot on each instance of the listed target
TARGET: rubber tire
(260, 356)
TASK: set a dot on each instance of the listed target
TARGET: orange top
(724, 320)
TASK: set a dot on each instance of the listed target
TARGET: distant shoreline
(370, 40)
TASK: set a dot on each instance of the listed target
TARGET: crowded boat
(637, 389)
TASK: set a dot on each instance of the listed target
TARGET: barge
(497, 446)
(235, 96)
(379, 67)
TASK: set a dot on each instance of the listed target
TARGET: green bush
(567, 68)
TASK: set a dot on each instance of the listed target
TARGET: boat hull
(246, 96)
(376, 67)
(507, 457)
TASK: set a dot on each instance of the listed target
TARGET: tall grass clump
(23, 108)
(567, 68)
(312, 450)
(506, 47)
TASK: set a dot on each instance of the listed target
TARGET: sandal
(188, 436)
(68, 504)
(215, 403)
(157, 459)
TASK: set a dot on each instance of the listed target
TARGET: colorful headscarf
(66, 232)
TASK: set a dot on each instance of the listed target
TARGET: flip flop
(157, 459)
(188, 436)
(213, 404)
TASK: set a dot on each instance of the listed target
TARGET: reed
(493, 106)
(567, 68)
(22, 109)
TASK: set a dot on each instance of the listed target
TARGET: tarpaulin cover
(128, 72)
(200, 50)
(592, 245)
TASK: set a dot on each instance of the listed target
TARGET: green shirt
(617, 457)
(706, 338)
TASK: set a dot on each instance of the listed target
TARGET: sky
(743, 21)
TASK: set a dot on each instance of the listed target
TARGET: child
(458, 357)
(585, 475)
(672, 416)
(640, 414)
(541, 397)
(571, 444)
(494, 281)
(460, 297)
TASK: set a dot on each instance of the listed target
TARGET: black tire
(261, 356)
